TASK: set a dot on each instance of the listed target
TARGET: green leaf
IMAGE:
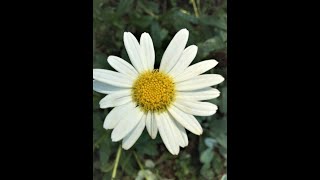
(210, 142)
(149, 149)
(206, 171)
(105, 151)
(100, 61)
(219, 131)
(181, 19)
(124, 6)
(95, 102)
(142, 22)
(209, 46)
(158, 34)
(222, 140)
(186, 16)
(173, 3)
(206, 156)
(149, 6)
(223, 107)
(126, 162)
(219, 22)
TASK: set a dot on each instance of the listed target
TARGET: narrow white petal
(122, 66)
(185, 60)
(134, 51)
(126, 124)
(112, 78)
(116, 99)
(199, 82)
(151, 125)
(174, 50)
(175, 130)
(186, 120)
(196, 108)
(104, 88)
(148, 50)
(183, 133)
(129, 140)
(116, 114)
(166, 134)
(195, 70)
(201, 94)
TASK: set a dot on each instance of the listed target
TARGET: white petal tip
(185, 31)
(199, 132)
(105, 127)
(214, 62)
(125, 147)
(221, 78)
(113, 138)
(193, 46)
(102, 107)
(110, 58)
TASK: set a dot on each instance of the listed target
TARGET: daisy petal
(184, 142)
(122, 66)
(134, 51)
(196, 108)
(116, 99)
(201, 94)
(175, 130)
(105, 88)
(115, 115)
(166, 134)
(112, 78)
(196, 69)
(186, 120)
(199, 82)
(134, 135)
(185, 60)
(148, 50)
(151, 125)
(126, 124)
(174, 50)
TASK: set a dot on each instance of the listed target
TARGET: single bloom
(164, 99)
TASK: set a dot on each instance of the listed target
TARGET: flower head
(164, 99)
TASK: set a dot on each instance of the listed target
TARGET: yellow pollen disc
(153, 91)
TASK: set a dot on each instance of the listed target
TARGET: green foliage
(206, 155)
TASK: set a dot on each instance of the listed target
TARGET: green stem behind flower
(138, 160)
(114, 172)
(195, 8)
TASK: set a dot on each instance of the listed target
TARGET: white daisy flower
(164, 99)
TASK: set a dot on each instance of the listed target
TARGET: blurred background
(206, 156)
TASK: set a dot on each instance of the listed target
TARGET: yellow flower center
(153, 91)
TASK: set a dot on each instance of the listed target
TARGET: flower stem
(195, 9)
(138, 160)
(114, 172)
